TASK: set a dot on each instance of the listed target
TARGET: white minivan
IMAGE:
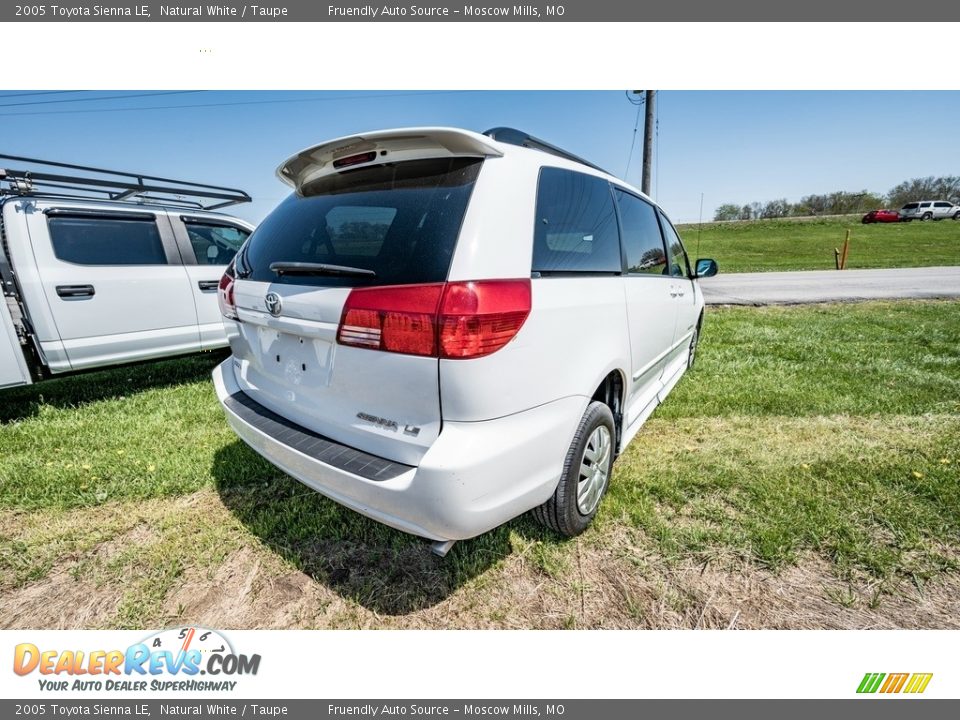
(443, 329)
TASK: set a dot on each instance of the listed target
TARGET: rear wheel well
(610, 393)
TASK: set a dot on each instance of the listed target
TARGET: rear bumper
(475, 476)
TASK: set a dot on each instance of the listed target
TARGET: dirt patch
(244, 593)
(67, 598)
(603, 588)
(613, 580)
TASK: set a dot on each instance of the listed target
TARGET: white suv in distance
(443, 330)
(929, 210)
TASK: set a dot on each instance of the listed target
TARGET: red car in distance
(875, 216)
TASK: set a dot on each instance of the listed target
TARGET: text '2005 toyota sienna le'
(443, 330)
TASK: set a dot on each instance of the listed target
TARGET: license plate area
(296, 360)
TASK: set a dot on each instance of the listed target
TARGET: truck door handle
(206, 285)
(75, 291)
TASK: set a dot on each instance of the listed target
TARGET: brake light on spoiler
(455, 320)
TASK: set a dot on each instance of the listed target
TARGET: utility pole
(648, 129)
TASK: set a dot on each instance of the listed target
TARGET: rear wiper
(307, 268)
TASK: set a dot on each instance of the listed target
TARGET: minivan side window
(214, 244)
(679, 267)
(641, 236)
(106, 241)
(576, 224)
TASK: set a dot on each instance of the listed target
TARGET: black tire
(956, 216)
(926, 216)
(865, 221)
(561, 513)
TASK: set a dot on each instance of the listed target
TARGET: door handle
(206, 285)
(75, 291)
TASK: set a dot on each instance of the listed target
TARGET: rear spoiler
(383, 146)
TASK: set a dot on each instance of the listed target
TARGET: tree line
(843, 203)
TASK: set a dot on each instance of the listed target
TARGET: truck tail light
(457, 320)
(225, 298)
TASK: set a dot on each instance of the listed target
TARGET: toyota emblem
(273, 304)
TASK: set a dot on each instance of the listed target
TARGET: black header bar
(458, 11)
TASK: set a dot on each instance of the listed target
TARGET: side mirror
(706, 268)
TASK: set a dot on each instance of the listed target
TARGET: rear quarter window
(576, 225)
(400, 220)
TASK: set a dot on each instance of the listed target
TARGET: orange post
(846, 250)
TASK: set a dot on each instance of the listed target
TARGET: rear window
(400, 220)
(106, 241)
(910, 206)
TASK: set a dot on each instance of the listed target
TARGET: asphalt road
(773, 288)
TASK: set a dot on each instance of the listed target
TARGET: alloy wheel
(594, 470)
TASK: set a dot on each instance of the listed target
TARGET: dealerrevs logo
(180, 659)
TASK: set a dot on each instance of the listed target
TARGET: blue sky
(737, 147)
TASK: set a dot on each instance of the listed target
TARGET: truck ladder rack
(44, 177)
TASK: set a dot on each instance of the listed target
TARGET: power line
(633, 142)
(230, 104)
(657, 153)
(44, 92)
(100, 99)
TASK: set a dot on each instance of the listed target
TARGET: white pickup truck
(101, 268)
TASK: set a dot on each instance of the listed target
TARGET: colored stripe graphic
(870, 682)
(918, 683)
(894, 683)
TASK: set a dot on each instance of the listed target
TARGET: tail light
(225, 298)
(457, 320)
(396, 319)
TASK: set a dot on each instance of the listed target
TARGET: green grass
(766, 245)
(831, 431)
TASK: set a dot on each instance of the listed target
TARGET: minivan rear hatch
(369, 222)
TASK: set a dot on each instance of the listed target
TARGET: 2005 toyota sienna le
(442, 329)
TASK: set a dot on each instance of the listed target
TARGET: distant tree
(727, 211)
(842, 202)
(928, 188)
(775, 209)
(870, 201)
(948, 188)
(815, 204)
